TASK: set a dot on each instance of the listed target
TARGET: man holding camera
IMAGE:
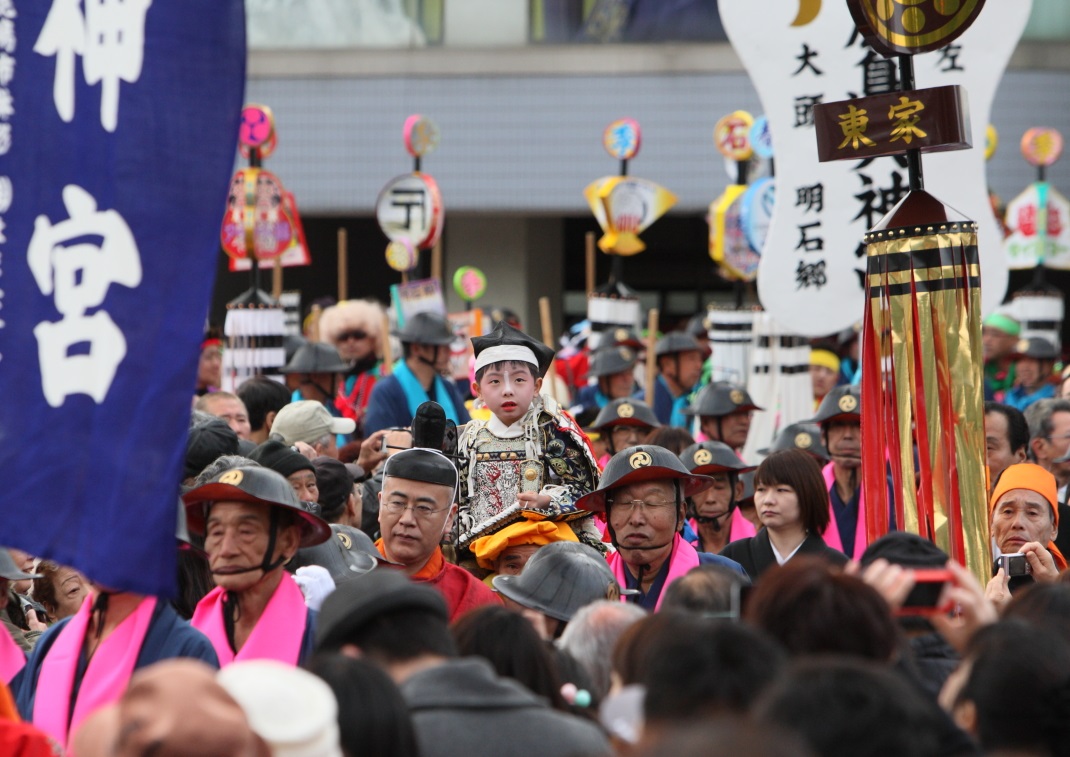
(1025, 521)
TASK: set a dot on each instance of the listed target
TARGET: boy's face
(508, 390)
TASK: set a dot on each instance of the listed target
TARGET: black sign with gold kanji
(928, 120)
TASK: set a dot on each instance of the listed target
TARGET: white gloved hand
(316, 584)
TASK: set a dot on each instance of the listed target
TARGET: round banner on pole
(731, 135)
(909, 27)
(622, 138)
(1042, 146)
(761, 138)
(401, 255)
(409, 208)
(420, 135)
(257, 130)
(756, 210)
(470, 283)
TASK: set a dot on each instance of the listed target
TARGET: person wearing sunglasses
(354, 328)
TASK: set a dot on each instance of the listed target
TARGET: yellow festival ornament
(624, 207)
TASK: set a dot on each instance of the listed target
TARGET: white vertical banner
(811, 273)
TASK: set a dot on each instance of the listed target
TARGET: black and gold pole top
(904, 232)
(909, 27)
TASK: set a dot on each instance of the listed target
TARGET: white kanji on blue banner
(111, 194)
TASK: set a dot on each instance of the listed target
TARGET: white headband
(501, 352)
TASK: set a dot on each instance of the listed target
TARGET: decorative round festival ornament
(731, 135)
(622, 138)
(257, 214)
(1042, 146)
(909, 27)
(703, 456)
(803, 440)
(848, 403)
(991, 141)
(624, 207)
(728, 245)
(761, 138)
(736, 396)
(1038, 222)
(257, 130)
(401, 255)
(756, 211)
(470, 283)
(410, 208)
(420, 135)
(624, 410)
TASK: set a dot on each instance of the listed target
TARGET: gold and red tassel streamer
(922, 380)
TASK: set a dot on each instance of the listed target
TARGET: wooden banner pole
(651, 358)
(343, 267)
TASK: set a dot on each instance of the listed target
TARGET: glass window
(607, 21)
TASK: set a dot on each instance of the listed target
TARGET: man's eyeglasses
(355, 334)
(647, 507)
(426, 512)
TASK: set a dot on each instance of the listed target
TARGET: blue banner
(118, 130)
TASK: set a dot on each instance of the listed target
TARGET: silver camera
(1015, 564)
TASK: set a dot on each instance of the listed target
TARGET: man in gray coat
(459, 706)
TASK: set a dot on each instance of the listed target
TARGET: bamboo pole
(276, 278)
(589, 245)
(343, 267)
(547, 323)
(312, 333)
(436, 261)
(388, 350)
(651, 358)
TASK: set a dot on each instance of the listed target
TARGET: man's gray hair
(1038, 416)
(593, 632)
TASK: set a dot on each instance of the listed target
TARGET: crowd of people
(378, 559)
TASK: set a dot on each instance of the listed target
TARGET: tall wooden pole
(388, 350)
(436, 261)
(276, 278)
(590, 253)
(548, 339)
(651, 358)
(343, 268)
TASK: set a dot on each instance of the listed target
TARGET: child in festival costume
(530, 456)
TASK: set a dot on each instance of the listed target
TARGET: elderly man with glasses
(417, 507)
(643, 495)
